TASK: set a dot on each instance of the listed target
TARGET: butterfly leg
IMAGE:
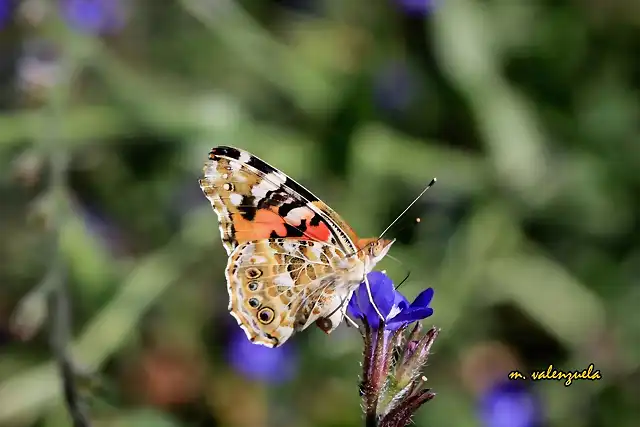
(375, 307)
(351, 321)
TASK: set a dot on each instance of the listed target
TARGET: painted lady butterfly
(292, 259)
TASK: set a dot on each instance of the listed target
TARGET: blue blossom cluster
(260, 363)
(390, 303)
(510, 404)
(420, 7)
(392, 386)
(100, 17)
(94, 16)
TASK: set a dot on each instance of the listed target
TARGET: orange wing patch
(319, 232)
(265, 223)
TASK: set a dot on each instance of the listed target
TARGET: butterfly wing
(253, 201)
(280, 286)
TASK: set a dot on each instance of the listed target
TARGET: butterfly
(292, 260)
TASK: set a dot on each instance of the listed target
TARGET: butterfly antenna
(433, 181)
(391, 257)
(405, 279)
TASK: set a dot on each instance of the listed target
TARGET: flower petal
(411, 315)
(418, 310)
(423, 299)
(383, 295)
(353, 308)
(400, 301)
(400, 304)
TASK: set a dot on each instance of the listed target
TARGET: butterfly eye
(253, 273)
(325, 324)
(253, 302)
(378, 248)
(373, 249)
(253, 286)
(266, 316)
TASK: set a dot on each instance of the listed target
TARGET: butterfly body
(292, 259)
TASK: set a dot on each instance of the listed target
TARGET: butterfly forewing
(254, 200)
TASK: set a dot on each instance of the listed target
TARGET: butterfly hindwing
(279, 286)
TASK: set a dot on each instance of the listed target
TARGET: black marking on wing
(315, 221)
(246, 208)
(271, 337)
(295, 231)
(261, 165)
(273, 198)
(288, 207)
(222, 150)
(300, 190)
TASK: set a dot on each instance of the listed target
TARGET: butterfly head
(374, 250)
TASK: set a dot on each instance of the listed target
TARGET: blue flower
(510, 404)
(272, 365)
(6, 10)
(421, 7)
(393, 306)
(392, 386)
(94, 16)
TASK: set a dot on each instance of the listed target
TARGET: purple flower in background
(417, 6)
(6, 10)
(273, 365)
(510, 404)
(392, 304)
(94, 16)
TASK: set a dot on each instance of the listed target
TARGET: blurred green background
(527, 112)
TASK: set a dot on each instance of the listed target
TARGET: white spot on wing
(298, 214)
(290, 247)
(260, 191)
(210, 170)
(316, 251)
(235, 199)
(283, 279)
(244, 157)
(257, 259)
